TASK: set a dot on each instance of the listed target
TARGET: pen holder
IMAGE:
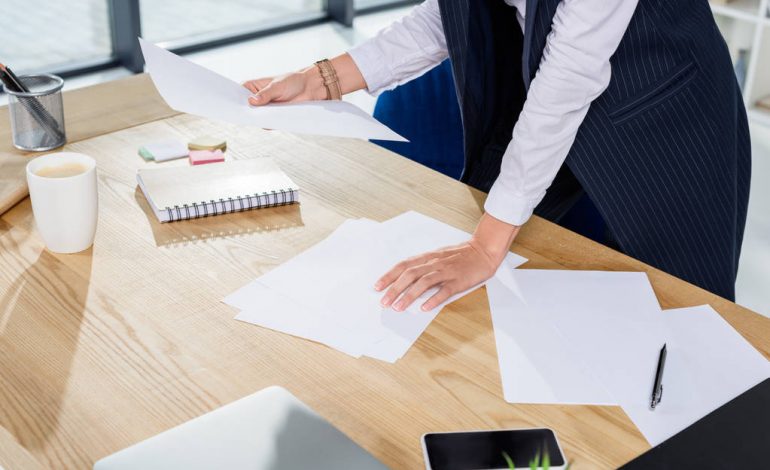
(37, 116)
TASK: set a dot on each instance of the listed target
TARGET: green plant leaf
(509, 461)
(569, 464)
(534, 464)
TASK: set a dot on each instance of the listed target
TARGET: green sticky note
(144, 153)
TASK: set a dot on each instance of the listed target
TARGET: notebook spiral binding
(263, 200)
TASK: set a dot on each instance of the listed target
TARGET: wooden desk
(105, 348)
(13, 455)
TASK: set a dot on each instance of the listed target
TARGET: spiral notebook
(182, 193)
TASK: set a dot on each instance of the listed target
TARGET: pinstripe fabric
(663, 153)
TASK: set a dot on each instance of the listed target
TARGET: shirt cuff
(370, 63)
(503, 204)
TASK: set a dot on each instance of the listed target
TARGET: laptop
(270, 429)
(733, 436)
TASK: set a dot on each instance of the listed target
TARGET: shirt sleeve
(574, 70)
(404, 50)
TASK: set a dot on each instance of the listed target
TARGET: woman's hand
(305, 85)
(452, 269)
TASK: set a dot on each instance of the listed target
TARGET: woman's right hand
(304, 85)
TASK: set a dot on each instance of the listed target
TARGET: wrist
(314, 83)
(494, 237)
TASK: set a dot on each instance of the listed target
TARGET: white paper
(570, 336)
(708, 364)
(537, 364)
(275, 311)
(594, 338)
(334, 283)
(190, 88)
(611, 320)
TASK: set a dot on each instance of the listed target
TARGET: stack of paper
(326, 293)
(594, 338)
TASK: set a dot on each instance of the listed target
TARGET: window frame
(125, 26)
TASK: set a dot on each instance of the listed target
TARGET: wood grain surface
(113, 345)
(13, 455)
(88, 112)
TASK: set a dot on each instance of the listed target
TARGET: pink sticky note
(201, 157)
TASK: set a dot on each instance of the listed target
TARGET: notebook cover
(177, 186)
(735, 435)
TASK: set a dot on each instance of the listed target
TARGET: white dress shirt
(574, 70)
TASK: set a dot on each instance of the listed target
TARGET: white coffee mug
(65, 207)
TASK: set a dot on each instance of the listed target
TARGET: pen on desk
(657, 386)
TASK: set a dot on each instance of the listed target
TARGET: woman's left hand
(453, 269)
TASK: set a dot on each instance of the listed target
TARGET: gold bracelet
(331, 82)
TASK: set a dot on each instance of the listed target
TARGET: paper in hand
(190, 88)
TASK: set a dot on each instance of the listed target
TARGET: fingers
(396, 271)
(418, 288)
(406, 279)
(265, 95)
(255, 85)
(251, 86)
(446, 291)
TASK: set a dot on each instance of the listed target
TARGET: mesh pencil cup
(37, 116)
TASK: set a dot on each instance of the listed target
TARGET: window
(173, 20)
(380, 4)
(56, 34)
(69, 37)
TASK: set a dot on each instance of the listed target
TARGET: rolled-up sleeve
(404, 50)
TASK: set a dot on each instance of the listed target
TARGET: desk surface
(88, 112)
(108, 347)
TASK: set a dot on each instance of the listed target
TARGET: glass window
(40, 35)
(363, 4)
(170, 20)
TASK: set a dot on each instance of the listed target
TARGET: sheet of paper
(190, 88)
(334, 282)
(611, 320)
(580, 336)
(537, 364)
(708, 364)
(269, 308)
(275, 311)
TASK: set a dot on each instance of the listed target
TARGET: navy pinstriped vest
(663, 153)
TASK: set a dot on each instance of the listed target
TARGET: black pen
(6, 79)
(20, 87)
(657, 386)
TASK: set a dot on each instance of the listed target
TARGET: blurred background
(92, 41)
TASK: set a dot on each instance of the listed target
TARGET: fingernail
(378, 285)
(385, 301)
(425, 307)
(399, 306)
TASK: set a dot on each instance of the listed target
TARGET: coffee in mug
(62, 187)
(63, 170)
